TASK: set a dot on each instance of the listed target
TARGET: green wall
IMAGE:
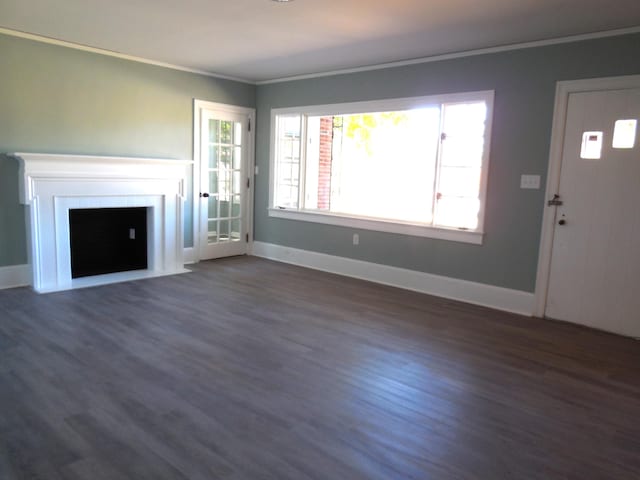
(59, 100)
(524, 82)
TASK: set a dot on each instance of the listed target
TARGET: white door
(595, 261)
(224, 184)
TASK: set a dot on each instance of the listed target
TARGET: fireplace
(107, 240)
(62, 190)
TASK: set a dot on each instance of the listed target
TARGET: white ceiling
(260, 40)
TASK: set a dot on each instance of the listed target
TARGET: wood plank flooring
(251, 369)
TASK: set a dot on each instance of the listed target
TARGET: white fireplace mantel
(53, 184)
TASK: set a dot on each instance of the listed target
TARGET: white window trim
(378, 224)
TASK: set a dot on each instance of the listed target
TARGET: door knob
(562, 222)
(204, 195)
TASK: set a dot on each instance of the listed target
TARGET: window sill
(378, 225)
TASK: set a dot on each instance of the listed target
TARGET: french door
(224, 189)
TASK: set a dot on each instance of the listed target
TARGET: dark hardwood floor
(250, 369)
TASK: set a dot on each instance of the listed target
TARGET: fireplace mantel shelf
(88, 167)
(52, 184)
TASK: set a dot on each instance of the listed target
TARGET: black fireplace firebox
(107, 240)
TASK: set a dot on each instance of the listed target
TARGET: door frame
(192, 255)
(563, 90)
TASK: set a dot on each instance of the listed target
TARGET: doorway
(223, 179)
(590, 254)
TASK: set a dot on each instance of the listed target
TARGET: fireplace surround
(53, 184)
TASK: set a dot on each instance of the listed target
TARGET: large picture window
(416, 166)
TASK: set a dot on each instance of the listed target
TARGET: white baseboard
(499, 298)
(15, 276)
(189, 255)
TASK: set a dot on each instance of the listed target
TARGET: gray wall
(59, 100)
(524, 83)
(54, 99)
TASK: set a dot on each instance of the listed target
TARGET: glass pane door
(224, 185)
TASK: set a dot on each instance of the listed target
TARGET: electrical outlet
(530, 182)
(356, 239)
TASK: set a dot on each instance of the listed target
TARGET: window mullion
(302, 165)
(438, 169)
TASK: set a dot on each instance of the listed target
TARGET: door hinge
(249, 125)
(248, 182)
(443, 136)
(247, 238)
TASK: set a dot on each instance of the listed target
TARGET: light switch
(530, 182)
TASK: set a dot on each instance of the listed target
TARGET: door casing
(563, 90)
(192, 255)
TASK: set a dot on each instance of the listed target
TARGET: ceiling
(258, 40)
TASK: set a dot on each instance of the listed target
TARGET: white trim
(15, 276)
(563, 90)
(110, 278)
(111, 53)
(199, 106)
(188, 255)
(388, 104)
(376, 224)
(491, 296)
(223, 107)
(54, 184)
(366, 68)
(379, 225)
(463, 54)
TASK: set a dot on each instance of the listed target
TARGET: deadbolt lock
(555, 201)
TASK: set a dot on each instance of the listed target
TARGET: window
(624, 134)
(591, 145)
(416, 166)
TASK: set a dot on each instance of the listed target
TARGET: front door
(595, 261)
(224, 184)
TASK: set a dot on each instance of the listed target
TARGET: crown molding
(466, 53)
(111, 53)
(366, 68)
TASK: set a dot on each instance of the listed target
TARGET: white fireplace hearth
(53, 184)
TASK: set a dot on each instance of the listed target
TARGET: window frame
(379, 224)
